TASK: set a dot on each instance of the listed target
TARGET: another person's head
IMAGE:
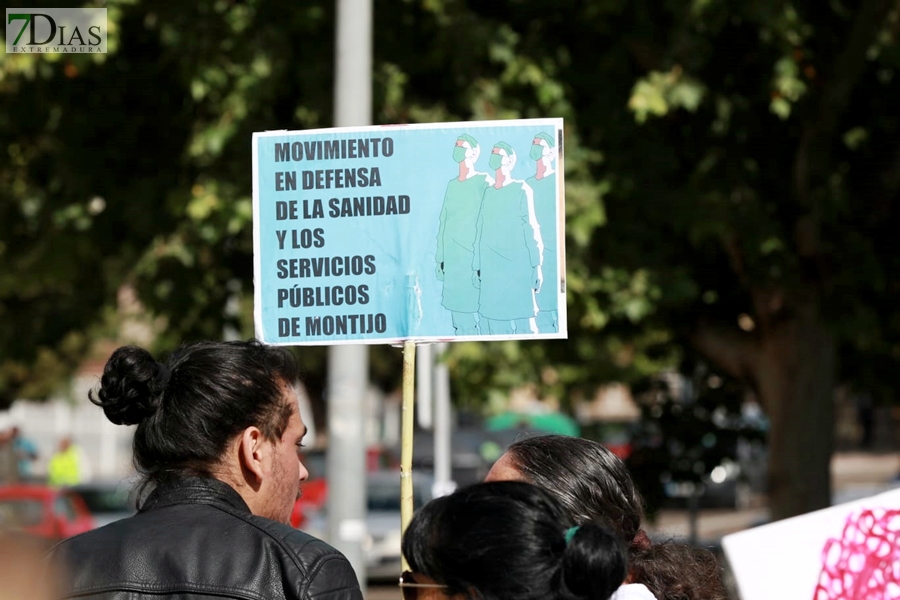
(594, 486)
(225, 410)
(507, 541)
(590, 481)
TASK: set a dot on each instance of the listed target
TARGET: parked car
(381, 543)
(315, 462)
(383, 534)
(473, 450)
(616, 436)
(723, 466)
(43, 511)
(701, 440)
(314, 490)
(107, 501)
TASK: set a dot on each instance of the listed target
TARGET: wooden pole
(406, 437)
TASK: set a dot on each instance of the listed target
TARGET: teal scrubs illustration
(543, 185)
(456, 237)
(508, 250)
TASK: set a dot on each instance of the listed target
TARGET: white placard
(849, 552)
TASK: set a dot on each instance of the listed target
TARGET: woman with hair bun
(507, 541)
(594, 486)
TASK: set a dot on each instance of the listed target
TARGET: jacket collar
(195, 490)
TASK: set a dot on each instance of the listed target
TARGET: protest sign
(430, 232)
(849, 551)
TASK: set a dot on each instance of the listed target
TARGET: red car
(315, 491)
(315, 488)
(43, 511)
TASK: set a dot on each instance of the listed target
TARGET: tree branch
(729, 348)
(732, 248)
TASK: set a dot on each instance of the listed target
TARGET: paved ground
(854, 475)
(850, 468)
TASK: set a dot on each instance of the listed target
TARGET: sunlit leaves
(585, 211)
(660, 92)
(854, 138)
(787, 87)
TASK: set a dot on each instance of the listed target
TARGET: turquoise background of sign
(404, 287)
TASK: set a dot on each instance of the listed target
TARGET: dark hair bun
(594, 564)
(131, 386)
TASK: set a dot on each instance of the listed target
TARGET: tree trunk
(795, 383)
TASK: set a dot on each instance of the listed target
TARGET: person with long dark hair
(217, 446)
(595, 486)
(507, 541)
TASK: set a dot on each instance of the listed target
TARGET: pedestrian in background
(65, 466)
(594, 486)
(26, 454)
(217, 445)
(507, 541)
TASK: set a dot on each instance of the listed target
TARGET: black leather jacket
(197, 539)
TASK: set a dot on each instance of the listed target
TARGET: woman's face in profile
(503, 470)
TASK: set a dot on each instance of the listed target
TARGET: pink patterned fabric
(865, 563)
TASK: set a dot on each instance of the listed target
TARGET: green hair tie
(570, 533)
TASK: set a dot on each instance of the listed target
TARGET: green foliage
(658, 93)
(683, 124)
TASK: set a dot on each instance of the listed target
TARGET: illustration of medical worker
(456, 237)
(508, 250)
(543, 184)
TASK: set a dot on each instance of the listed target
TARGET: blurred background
(732, 178)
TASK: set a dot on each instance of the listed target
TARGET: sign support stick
(406, 436)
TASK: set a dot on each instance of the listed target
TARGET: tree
(749, 168)
(128, 169)
(731, 176)
(790, 203)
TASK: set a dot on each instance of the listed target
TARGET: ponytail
(507, 540)
(594, 564)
